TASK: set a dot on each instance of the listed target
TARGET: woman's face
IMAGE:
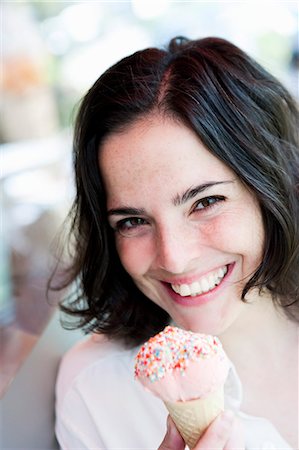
(187, 231)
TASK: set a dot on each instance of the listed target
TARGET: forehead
(156, 153)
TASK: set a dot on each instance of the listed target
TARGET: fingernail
(170, 427)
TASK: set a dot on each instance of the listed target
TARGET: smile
(201, 286)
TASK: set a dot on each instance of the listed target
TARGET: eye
(131, 226)
(208, 202)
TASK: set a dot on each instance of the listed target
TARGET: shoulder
(94, 361)
(96, 390)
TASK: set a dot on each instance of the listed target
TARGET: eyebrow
(126, 211)
(193, 191)
(178, 200)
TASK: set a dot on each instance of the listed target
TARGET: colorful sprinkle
(173, 349)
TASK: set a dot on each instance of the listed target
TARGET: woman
(186, 164)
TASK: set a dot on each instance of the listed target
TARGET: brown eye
(208, 202)
(131, 226)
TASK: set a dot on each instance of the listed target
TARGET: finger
(172, 440)
(218, 433)
(237, 438)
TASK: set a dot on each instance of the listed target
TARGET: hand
(224, 433)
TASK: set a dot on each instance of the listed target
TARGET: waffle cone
(194, 416)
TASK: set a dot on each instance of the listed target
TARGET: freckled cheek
(238, 232)
(217, 232)
(135, 255)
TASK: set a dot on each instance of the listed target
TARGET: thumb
(172, 440)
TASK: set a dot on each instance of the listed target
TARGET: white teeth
(222, 271)
(195, 288)
(205, 284)
(212, 279)
(184, 290)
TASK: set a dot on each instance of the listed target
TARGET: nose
(175, 249)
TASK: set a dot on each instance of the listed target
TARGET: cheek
(218, 231)
(134, 254)
(240, 232)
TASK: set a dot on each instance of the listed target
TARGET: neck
(263, 346)
(263, 326)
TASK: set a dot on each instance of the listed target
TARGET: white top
(101, 406)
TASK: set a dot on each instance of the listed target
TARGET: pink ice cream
(178, 365)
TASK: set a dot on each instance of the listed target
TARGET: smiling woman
(186, 163)
(181, 235)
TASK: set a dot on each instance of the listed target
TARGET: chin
(204, 326)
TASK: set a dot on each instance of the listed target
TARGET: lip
(201, 298)
(191, 279)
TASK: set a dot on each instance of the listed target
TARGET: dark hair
(241, 113)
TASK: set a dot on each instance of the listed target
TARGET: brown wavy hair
(241, 113)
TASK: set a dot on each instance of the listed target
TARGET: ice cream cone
(178, 365)
(193, 417)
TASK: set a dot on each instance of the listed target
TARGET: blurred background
(51, 52)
